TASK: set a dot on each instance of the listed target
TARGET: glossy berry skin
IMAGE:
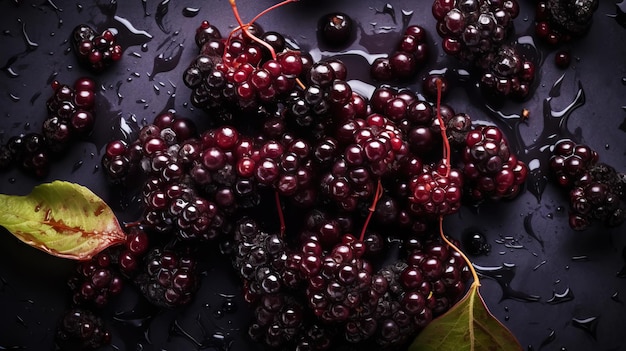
(570, 161)
(95, 51)
(471, 30)
(507, 74)
(96, 281)
(80, 329)
(491, 170)
(336, 29)
(168, 278)
(436, 192)
(562, 59)
(558, 22)
(405, 61)
(595, 189)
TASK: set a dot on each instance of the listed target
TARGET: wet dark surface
(556, 289)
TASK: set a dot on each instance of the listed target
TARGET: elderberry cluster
(558, 22)
(70, 117)
(478, 33)
(596, 190)
(95, 51)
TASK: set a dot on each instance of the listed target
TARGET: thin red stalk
(233, 4)
(281, 216)
(372, 208)
(442, 127)
(244, 27)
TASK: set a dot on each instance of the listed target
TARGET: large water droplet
(557, 298)
(590, 325)
(504, 275)
(167, 60)
(159, 16)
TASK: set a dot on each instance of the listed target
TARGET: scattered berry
(80, 330)
(95, 51)
(336, 29)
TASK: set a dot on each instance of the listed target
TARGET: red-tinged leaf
(467, 326)
(61, 218)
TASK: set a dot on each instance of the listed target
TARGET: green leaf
(467, 326)
(63, 219)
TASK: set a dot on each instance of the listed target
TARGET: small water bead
(550, 338)
(475, 243)
(191, 11)
(557, 298)
(615, 297)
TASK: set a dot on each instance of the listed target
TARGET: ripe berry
(336, 29)
(80, 329)
(168, 278)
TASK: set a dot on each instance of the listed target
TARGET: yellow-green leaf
(61, 218)
(467, 326)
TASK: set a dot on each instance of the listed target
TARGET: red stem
(377, 195)
(281, 216)
(244, 27)
(442, 127)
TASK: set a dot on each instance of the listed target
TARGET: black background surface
(528, 234)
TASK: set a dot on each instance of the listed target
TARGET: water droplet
(77, 165)
(191, 11)
(388, 10)
(167, 60)
(580, 258)
(127, 34)
(528, 228)
(557, 298)
(550, 215)
(161, 11)
(615, 297)
(620, 15)
(10, 72)
(79, 7)
(589, 324)
(12, 180)
(30, 45)
(504, 275)
(406, 18)
(20, 321)
(144, 4)
(550, 338)
(14, 97)
(539, 265)
(475, 243)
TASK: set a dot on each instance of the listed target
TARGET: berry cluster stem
(377, 195)
(281, 216)
(455, 248)
(244, 27)
(442, 127)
